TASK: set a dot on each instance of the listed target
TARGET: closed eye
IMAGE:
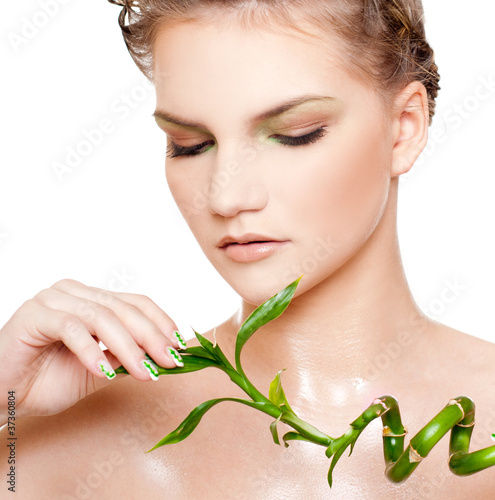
(174, 150)
(301, 140)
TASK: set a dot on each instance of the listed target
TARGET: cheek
(344, 190)
(188, 191)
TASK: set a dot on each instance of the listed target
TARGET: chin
(256, 285)
(256, 282)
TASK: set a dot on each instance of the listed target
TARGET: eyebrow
(161, 115)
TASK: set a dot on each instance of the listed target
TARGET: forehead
(226, 69)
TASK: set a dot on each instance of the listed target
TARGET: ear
(410, 125)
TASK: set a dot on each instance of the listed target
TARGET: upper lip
(245, 238)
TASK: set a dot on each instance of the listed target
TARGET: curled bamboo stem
(457, 416)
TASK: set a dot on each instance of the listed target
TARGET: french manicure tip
(176, 357)
(180, 340)
(108, 371)
(151, 369)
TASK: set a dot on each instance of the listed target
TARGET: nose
(235, 183)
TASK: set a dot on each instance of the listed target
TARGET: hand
(49, 351)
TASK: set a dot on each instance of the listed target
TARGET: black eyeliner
(174, 150)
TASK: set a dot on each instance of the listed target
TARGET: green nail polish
(152, 369)
(180, 339)
(176, 356)
(108, 371)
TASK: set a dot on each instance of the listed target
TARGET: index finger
(154, 312)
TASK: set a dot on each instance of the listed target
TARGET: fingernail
(180, 340)
(151, 369)
(175, 356)
(107, 370)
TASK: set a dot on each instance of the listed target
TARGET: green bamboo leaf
(273, 429)
(213, 350)
(307, 430)
(339, 445)
(276, 393)
(187, 426)
(198, 351)
(294, 436)
(333, 464)
(191, 364)
(205, 343)
(269, 310)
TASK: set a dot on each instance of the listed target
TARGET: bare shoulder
(462, 364)
(97, 447)
(476, 353)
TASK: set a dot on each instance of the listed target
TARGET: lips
(252, 251)
(245, 238)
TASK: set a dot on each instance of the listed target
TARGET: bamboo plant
(457, 415)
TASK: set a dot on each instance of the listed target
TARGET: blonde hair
(385, 40)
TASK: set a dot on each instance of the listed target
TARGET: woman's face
(323, 198)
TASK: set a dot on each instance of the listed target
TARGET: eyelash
(175, 150)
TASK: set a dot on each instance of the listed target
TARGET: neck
(344, 336)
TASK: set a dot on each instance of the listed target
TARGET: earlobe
(411, 125)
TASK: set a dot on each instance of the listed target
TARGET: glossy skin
(352, 331)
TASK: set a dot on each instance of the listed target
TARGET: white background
(113, 215)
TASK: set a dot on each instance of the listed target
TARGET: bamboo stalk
(457, 416)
